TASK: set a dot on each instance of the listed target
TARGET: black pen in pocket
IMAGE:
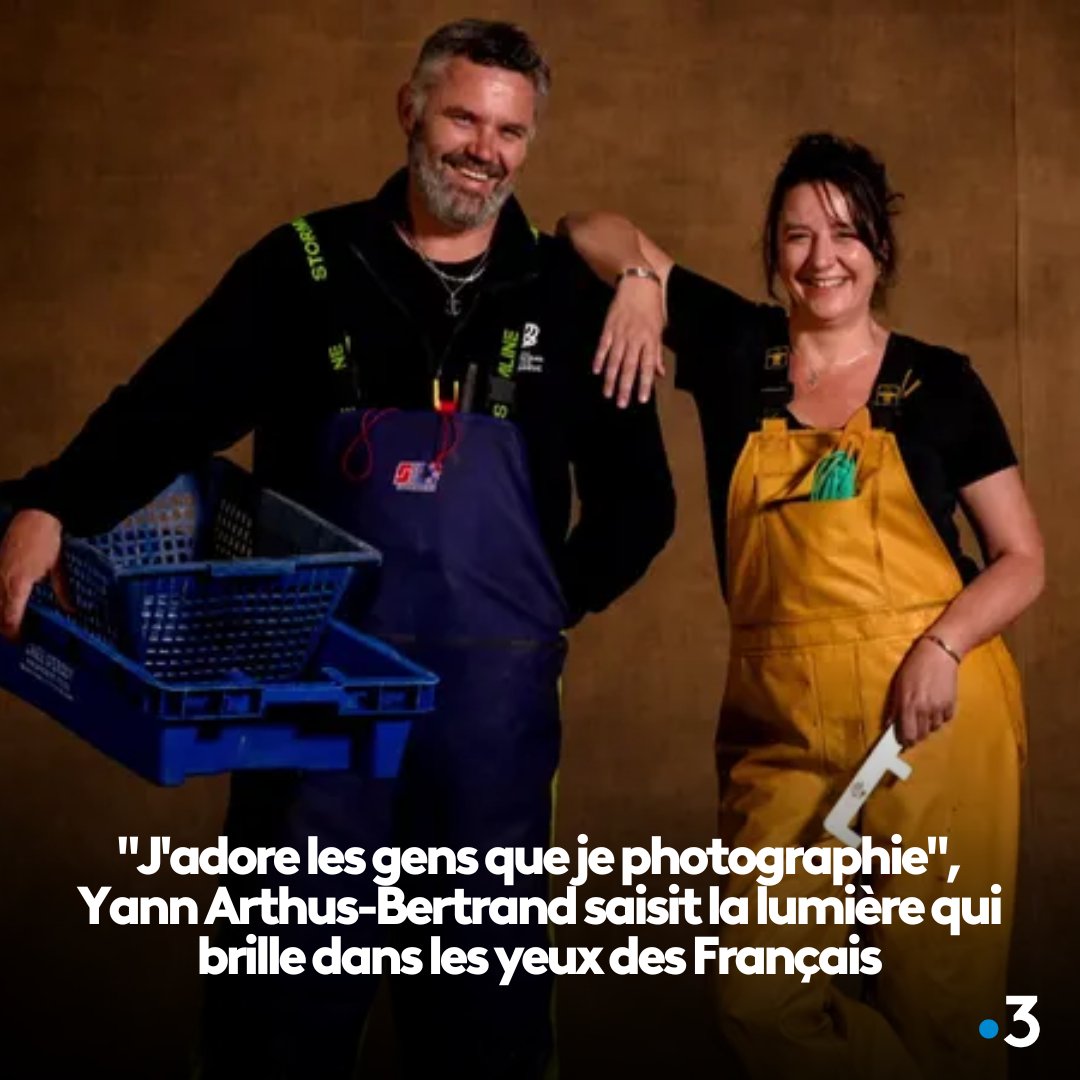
(468, 391)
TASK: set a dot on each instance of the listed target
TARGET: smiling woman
(838, 452)
(828, 239)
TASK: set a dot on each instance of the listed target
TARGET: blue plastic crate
(352, 710)
(216, 575)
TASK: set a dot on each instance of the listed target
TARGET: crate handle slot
(251, 567)
(286, 694)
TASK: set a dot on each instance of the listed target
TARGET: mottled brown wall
(145, 144)
(1047, 389)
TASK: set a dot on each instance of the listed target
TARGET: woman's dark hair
(823, 158)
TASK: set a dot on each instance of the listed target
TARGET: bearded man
(416, 368)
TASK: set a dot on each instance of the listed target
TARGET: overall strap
(774, 388)
(894, 384)
(519, 336)
(502, 376)
(504, 357)
(329, 310)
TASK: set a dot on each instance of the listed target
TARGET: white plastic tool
(884, 758)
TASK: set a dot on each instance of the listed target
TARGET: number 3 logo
(1023, 1014)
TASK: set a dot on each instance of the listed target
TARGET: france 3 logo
(421, 477)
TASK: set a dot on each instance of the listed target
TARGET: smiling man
(466, 141)
(416, 368)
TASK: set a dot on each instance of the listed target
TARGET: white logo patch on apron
(421, 477)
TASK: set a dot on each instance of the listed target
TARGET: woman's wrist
(944, 646)
(638, 270)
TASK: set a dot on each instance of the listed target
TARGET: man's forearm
(618, 534)
(203, 389)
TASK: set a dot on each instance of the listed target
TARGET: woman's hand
(630, 349)
(923, 694)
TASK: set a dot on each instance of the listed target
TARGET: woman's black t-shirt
(948, 429)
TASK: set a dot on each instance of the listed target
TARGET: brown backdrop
(146, 144)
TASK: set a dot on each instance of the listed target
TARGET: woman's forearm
(607, 242)
(992, 601)
(1001, 512)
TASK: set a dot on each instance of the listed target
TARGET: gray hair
(491, 44)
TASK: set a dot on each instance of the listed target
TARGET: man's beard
(450, 204)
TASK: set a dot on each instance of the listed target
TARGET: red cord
(363, 438)
(448, 437)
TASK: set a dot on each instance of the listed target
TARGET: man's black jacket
(254, 356)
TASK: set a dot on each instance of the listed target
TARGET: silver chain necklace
(452, 283)
(815, 373)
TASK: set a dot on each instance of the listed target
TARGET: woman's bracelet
(640, 272)
(944, 645)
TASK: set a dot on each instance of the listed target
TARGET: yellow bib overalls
(826, 598)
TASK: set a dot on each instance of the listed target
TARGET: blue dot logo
(988, 1029)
